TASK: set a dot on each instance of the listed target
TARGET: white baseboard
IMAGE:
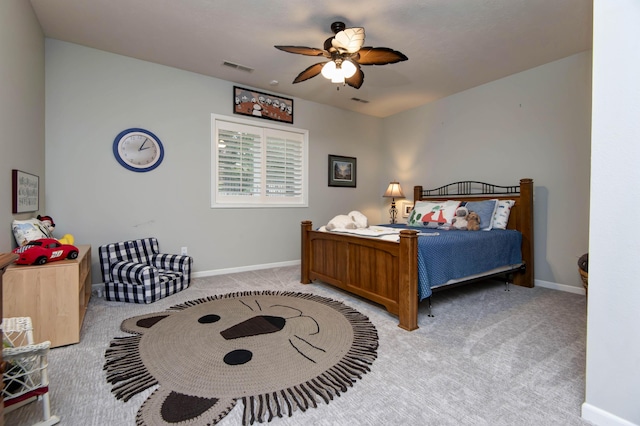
(98, 288)
(561, 287)
(600, 417)
(224, 271)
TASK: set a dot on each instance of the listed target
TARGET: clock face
(138, 150)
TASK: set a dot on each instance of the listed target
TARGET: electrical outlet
(183, 251)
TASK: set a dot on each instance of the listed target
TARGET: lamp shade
(394, 190)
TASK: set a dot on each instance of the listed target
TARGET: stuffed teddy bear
(460, 219)
(473, 221)
(353, 220)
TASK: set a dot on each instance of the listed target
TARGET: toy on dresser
(36, 243)
(43, 250)
(36, 228)
(48, 222)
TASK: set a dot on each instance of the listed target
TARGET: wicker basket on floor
(585, 279)
(583, 268)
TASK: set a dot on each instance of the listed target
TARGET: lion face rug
(276, 352)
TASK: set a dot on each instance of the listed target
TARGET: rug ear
(142, 323)
(166, 407)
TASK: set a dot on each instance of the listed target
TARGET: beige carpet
(488, 357)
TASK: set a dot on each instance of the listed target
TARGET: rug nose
(261, 324)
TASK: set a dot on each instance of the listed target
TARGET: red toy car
(43, 250)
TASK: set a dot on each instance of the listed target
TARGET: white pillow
(432, 214)
(29, 230)
(501, 216)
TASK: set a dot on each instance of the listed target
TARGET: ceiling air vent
(360, 100)
(237, 66)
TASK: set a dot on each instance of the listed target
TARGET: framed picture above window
(342, 171)
(262, 105)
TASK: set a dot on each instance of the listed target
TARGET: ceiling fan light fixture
(348, 69)
(337, 71)
(338, 77)
(332, 71)
(329, 70)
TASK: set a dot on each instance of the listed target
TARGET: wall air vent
(237, 66)
(362, 101)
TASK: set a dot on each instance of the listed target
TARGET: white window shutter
(284, 165)
(255, 166)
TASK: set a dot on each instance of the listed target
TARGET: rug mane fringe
(125, 369)
(325, 387)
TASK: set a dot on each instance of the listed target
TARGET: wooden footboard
(384, 272)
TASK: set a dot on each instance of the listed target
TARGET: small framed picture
(405, 208)
(342, 171)
(262, 105)
(24, 192)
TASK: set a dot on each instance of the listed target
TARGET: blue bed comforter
(448, 255)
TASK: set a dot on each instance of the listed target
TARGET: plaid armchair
(135, 271)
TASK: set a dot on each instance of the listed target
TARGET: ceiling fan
(346, 55)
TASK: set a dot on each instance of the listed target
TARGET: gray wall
(613, 324)
(92, 95)
(541, 118)
(21, 107)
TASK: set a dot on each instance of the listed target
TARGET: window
(256, 165)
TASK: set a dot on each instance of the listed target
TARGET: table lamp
(394, 191)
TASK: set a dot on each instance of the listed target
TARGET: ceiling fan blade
(301, 50)
(379, 56)
(349, 40)
(357, 79)
(310, 72)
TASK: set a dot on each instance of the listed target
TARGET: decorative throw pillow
(501, 216)
(485, 209)
(432, 214)
(29, 230)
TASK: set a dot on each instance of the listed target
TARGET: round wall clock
(138, 150)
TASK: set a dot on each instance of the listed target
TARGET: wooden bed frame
(386, 272)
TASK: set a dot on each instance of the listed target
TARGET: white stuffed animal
(353, 220)
(342, 221)
(460, 219)
(359, 219)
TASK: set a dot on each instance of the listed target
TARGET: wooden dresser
(55, 295)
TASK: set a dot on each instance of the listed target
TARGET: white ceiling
(452, 45)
